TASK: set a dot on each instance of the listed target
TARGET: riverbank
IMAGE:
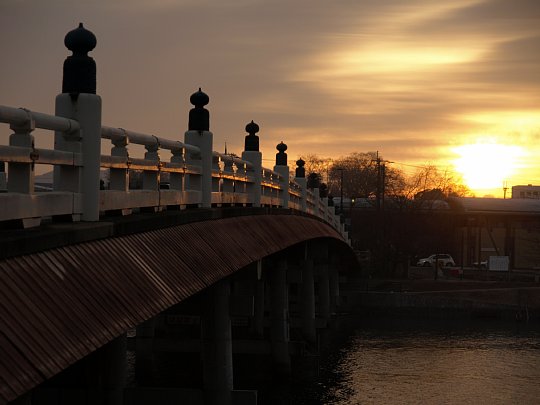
(443, 298)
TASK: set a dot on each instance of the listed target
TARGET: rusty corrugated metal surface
(59, 305)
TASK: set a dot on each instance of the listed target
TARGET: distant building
(487, 227)
(528, 191)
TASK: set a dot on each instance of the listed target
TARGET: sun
(486, 165)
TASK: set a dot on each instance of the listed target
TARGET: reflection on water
(401, 362)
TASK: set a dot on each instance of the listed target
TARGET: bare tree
(429, 182)
(317, 164)
(364, 175)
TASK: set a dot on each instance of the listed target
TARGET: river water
(424, 362)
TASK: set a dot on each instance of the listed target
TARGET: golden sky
(455, 84)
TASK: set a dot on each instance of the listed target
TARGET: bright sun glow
(486, 165)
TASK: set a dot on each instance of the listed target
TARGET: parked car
(444, 258)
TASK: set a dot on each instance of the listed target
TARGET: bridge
(191, 265)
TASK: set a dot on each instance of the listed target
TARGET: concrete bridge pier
(279, 318)
(333, 270)
(257, 328)
(307, 298)
(320, 254)
(216, 339)
(98, 379)
(144, 342)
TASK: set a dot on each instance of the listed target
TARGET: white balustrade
(138, 183)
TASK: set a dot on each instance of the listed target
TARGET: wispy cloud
(411, 79)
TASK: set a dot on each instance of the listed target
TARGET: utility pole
(378, 192)
(383, 184)
(505, 188)
(341, 191)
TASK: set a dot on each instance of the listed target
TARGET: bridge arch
(63, 303)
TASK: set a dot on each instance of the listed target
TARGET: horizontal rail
(22, 116)
(186, 180)
(18, 154)
(120, 134)
(234, 159)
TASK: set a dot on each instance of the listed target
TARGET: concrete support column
(258, 316)
(333, 270)
(279, 317)
(216, 338)
(105, 373)
(97, 379)
(3, 178)
(144, 353)
(307, 297)
(114, 371)
(25, 399)
(323, 291)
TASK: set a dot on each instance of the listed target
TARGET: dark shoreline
(447, 299)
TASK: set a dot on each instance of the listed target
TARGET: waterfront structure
(230, 258)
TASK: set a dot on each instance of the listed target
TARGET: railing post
(150, 178)
(119, 178)
(300, 178)
(177, 180)
(252, 154)
(316, 202)
(217, 166)
(21, 175)
(283, 170)
(229, 168)
(198, 134)
(79, 101)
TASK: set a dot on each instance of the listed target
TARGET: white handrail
(234, 179)
(22, 116)
(119, 134)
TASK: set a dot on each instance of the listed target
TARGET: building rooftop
(496, 205)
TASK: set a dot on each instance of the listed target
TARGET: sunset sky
(455, 83)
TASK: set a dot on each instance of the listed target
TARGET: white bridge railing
(195, 175)
(173, 184)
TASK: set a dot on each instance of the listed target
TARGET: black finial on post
(313, 180)
(79, 68)
(281, 156)
(199, 117)
(300, 171)
(252, 141)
